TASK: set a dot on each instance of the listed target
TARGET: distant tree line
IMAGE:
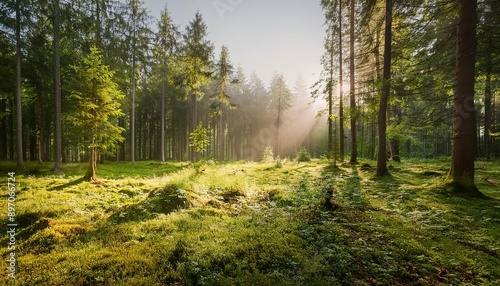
(402, 59)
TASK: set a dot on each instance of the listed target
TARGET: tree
(198, 139)
(384, 98)
(57, 89)
(19, 110)
(354, 150)
(281, 97)
(341, 91)
(223, 73)
(97, 96)
(461, 175)
(165, 48)
(334, 24)
(197, 65)
(138, 34)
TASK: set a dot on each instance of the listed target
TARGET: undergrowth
(255, 224)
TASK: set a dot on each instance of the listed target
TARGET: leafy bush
(302, 155)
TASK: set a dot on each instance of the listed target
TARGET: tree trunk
(395, 142)
(330, 105)
(57, 84)
(341, 92)
(20, 154)
(39, 120)
(384, 97)
(162, 124)
(132, 116)
(354, 151)
(220, 137)
(91, 171)
(194, 123)
(487, 104)
(464, 120)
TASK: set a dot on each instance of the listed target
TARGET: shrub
(302, 155)
(268, 156)
(278, 163)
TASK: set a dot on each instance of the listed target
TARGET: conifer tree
(281, 98)
(223, 74)
(97, 97)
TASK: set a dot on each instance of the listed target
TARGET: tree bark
(330, 104)
(162, 124)
(488, 102)
(384, 98)
(20, 154)
(341, 91)
(39, 120)
(354, 151)
(57, 92)
(464, 122)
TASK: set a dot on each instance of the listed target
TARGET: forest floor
(252, 224)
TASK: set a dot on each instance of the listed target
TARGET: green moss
(253, 224)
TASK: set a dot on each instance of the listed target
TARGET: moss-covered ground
(253, 224)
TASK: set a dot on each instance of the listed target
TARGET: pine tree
(97, 109)
(223, 73)
(281, 98)
(57, 88)
(19, 111)
(165, 48)
(197, 66)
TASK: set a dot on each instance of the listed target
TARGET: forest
(169, 80)
(141, 155)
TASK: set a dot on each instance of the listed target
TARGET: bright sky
(263, 36)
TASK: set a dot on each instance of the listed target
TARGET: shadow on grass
(352, 192)
(67, 185)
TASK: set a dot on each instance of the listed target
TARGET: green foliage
(97, 103)
(302, 155)
(199, 139)
(268, 155)
(197, 65)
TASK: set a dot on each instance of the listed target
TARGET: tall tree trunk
(57, 92)
(194, 123)
(220, 137)
(384, 97)
(487, 103)
(19, 110)
(464, 121)
(162, 124)
(132, 114)
(91, 171)
(330, 104)
(377, 73)
(341, 91)
(395, 142)
(354, 151)
(39, 120)
(132, 104)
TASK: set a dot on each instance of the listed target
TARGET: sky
(265, 37)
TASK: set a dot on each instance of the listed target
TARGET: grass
(254, 224)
